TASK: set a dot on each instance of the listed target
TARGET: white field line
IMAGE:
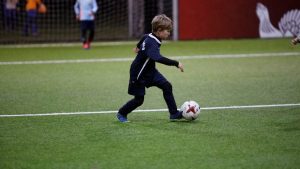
(49, 45)
(282, 54)
(150, 110)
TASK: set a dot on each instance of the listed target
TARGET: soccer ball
(190, 110)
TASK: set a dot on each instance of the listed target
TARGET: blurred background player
(10, 14)
(143, 72)
(85, 11)
(31, 18)
(296, 40)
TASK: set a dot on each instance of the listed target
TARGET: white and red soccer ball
(190, 110)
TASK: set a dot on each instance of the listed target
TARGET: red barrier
(221, 19)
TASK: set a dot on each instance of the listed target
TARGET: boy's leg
(83, 35)
(90, 37)
(83, 30)
(7, 19)
(138, 91)
(168, 96)
(33, 22)
(91, 31)
(129, 107)
(27, 24)
(14, 19)
(161, 82)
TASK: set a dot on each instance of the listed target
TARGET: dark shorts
(138, 88)
(87, 25)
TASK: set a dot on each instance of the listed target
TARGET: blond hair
(161, 22)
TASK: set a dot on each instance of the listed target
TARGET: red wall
(215, 19)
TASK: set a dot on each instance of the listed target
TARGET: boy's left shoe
(176, 117)
(122, 118)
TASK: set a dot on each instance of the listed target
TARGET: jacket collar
(157, 39)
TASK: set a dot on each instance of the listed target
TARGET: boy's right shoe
(86, 46)
(121, 118)
(295, 41)
(176, 117)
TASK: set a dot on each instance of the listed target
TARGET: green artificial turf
(225, 138)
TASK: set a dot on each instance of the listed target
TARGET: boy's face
(163, 34)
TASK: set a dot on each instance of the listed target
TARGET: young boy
(85, 11)
(144, 74)
(296, 40)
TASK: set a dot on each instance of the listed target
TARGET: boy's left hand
(180, 66)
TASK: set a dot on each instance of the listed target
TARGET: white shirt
(11, 4)
(86, 9)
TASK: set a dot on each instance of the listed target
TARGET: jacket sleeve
(153, 53)
(76, 8)
(95, 6)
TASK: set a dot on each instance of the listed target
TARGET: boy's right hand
(136, 50)
(180, 66)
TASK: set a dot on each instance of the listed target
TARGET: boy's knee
(167, 86)
(139, 100)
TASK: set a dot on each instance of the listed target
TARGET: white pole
(130, 18)
(175, 19)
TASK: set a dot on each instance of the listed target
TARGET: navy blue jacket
(143, 67)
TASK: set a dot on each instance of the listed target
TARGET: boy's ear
(159, 30)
